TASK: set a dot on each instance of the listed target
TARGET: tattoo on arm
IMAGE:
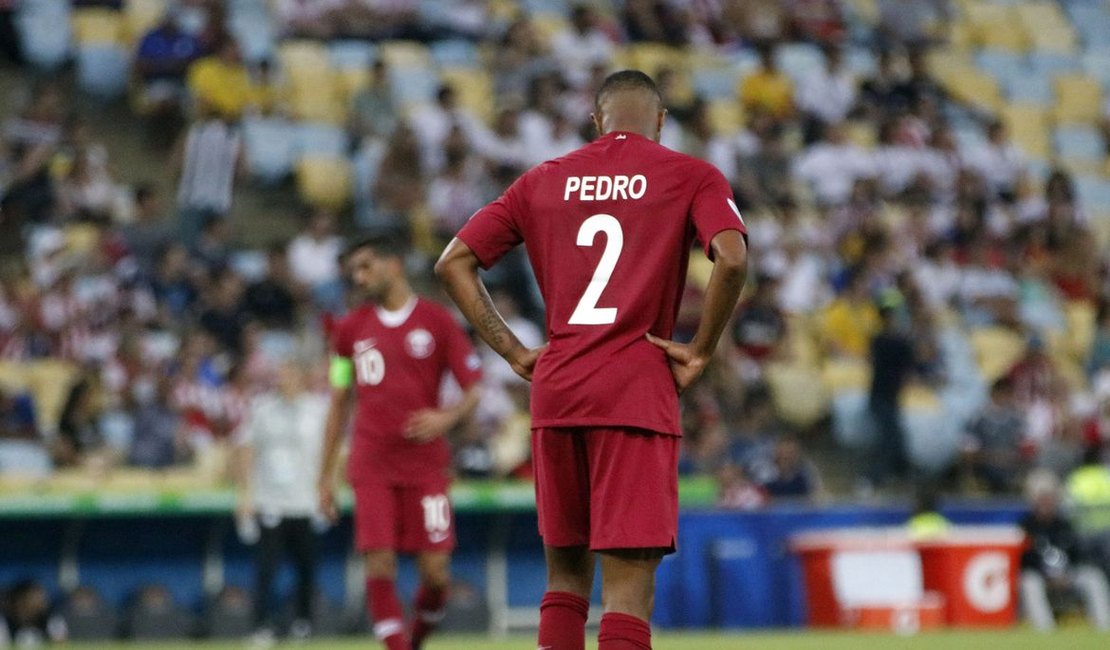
(489, 323)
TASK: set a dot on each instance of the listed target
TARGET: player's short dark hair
(627, 80)
(385, 244)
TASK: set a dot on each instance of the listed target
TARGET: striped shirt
(208, 174)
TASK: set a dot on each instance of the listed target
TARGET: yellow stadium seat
(324, 181)
(651, 57)
(1028, 126)
(997, 349)
(1080, 316)
(302, 61)
(13, 376)
(140, 16)
(1078, 99)
(726, 116)
(1047, 27)
(98, 26)
(997, 26)
(918, 397)
(799, 396)
(405, 54)
(862, 134)
(841, 375)
(50, 381)
(975, 87)
(547, 25)
(475, 89)
(1100, 227)
(325, 101)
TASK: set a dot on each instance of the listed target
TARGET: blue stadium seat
(1093, 192)
(1078, 142)
(560, 7)
(715, 83)
(318, 138)
(455, 52)
(1053, 63)
(270, 146)
(351, 55)
(44, 32)
(1029, 88)
(799, 60)
(255, 35)
(102, 70)
(1096, 63)
(414, 85)
(861, 61)
(1003, 66)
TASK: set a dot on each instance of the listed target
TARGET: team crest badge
(420, 344)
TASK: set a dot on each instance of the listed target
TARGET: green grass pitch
(1072, 638)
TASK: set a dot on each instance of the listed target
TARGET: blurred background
(926, 332)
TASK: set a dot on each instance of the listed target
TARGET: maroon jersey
(608, 229)
(400, 359)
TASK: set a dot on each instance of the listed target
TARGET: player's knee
(381, 565)
(436, 574)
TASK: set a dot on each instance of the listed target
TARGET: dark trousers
(888, 453)
(293, 535)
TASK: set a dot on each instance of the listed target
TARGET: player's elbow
(731, 257)
(457, 259)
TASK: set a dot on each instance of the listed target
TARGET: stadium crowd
(905, 273)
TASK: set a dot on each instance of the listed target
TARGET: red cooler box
(976, 568)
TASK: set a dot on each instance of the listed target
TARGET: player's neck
(397, 297)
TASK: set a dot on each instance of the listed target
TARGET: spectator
(912, 23)
(828, 94)
(458, 191)
(759, 21)
(207, 161)
(850, 321)
(213, 249)
(149, 232)
(832, 166)
(314, 259)
(1054, 563)
(768, 90)
(654, 21)
(158, 441)
(220, 84)
(22, 450)
(993, 445)
(760, 327)
(162, 59)
(795, 476)
(373, 109)
(433, 123)
(79, 428)
(879, 96)
(920, 87)
(26, 620)
(1088, 488)
(736, 491)
(892, 365)
(521, 58)
(926, 522)
(272, 300)
(307, 18)
(278, 440)
(225, 316)
(400, 184)
(581, 46)
(998, 161)
(819, 21)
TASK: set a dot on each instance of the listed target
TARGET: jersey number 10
(370, 367)
(587, 312)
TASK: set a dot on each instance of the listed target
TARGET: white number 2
(587, 312)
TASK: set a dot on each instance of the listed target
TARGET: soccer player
(608, 230)
(391, 355)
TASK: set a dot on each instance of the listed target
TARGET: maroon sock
(563, 621)
(385, 611)
(428, 609)
(623, 632)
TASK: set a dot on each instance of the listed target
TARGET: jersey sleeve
(340, 340)
(713, 210)
(495, 229)
(462, 360)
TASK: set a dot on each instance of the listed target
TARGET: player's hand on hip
(523, 361)
(428, 424)
(686, 366)
(326, 495)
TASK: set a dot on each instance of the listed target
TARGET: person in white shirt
(897, 163)
(432, 123)
(998, 161)
(581, 46)
(832, 166)
(828, 93)
(277, 461)
(314, 259)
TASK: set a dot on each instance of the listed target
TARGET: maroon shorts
(404, 518)
(608, 488)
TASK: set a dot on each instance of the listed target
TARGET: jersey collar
(396, 318)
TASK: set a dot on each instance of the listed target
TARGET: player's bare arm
(730, 263)
(336, 424)
(426, 425)
(457, 269)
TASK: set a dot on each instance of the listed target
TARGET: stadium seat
(547, 24)
(303, 61)
(321, 139)
(255, 34)
(322, 100)
(474, 87)
(1093, 190)
(715, 83)
(1079, 99)
(976, 88)
(98, 27)
(351, 55)
(726, 116)
(799, 396)
(140, 16)
(1054, 63)
(996, 351)
(1080, 316)
(414, 85)
(324, 181)
(45, 32)
(652, 57)
(50, 381)
(1002, 65)
(996, 26)
(1096, 63)
(270, 146)
(405, 54)
(1047, 27)
(1028, 126)
(799, 60)
(841, 375)
(455, 53)
(1030, 88)
(103, 69)
(1079, 142)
